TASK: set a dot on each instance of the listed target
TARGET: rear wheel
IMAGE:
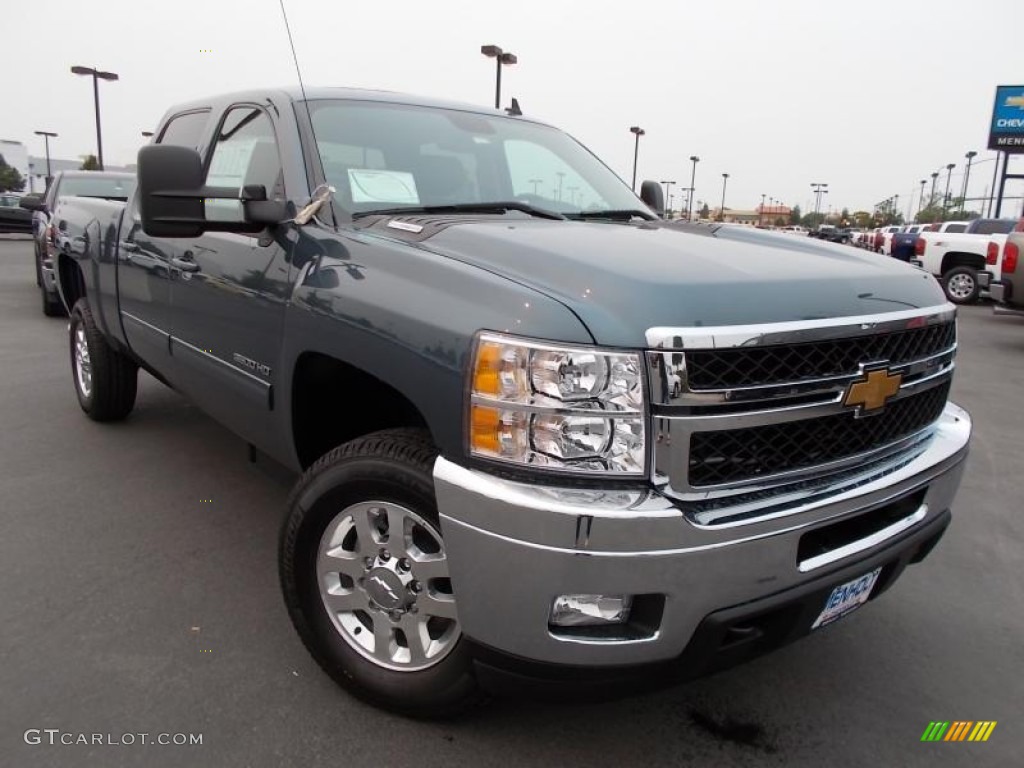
(961, 285)
(105, 380)
(364, 573)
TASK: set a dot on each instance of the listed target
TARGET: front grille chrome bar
(795, 332)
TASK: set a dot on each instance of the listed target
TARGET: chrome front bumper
(513, 547)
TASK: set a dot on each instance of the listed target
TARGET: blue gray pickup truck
(544, 435)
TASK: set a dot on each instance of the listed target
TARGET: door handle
(185, 265)
(127, 249)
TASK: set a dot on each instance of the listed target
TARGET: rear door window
(185, 130)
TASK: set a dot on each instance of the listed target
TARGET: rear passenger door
(144, 262)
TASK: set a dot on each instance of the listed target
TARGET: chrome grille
(741, 411)
(729, 368)
(735, 455)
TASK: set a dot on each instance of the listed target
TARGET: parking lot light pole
(668, 186)
(47, 135)
(760, 213)
(920, 203)
(501, 58)
(693, 178)
(820, 188)
(945, 199)
(967, 176)
(637, 131)
(931, 196)
(96, 75)
(725, 180)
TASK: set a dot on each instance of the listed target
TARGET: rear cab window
(995, 227)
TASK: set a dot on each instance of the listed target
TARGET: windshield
(381, 156)
(81, 186)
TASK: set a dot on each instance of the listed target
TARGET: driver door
(228, 290)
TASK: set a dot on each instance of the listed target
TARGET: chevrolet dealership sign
(1007, 130)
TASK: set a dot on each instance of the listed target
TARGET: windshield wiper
(617, 214)
(512, 205)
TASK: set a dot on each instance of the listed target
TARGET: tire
(961, 285)
(384, 475)
(105, 380)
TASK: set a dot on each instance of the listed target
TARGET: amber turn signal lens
(485, 430)
(486, 376)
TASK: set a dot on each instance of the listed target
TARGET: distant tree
(863, 219)
(812, 220)
(779, 221)
(957, 210)
(845, 215)
(929, 215)
(90, 163)
(794, 215)
(10, 179)
(705, 212)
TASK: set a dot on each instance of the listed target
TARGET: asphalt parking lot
(138, 564)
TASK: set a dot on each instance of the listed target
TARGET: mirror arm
(266, 212)
(250, 193)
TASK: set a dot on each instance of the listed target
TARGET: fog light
(590, 610)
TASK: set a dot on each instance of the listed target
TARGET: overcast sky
(868, 96)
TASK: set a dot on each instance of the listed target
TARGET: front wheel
(364, 573)
(961, 285)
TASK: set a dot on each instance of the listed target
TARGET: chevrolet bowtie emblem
(873, 391)
(1015, 101)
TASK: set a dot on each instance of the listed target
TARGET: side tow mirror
(173, 198)
(170, 179)
(651, 194)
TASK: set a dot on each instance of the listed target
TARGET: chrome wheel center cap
(386, 588)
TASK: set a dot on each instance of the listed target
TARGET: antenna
(309, 116)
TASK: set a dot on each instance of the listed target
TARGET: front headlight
(565, 408)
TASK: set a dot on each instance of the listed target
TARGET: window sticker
(230, 163)
(370, 186)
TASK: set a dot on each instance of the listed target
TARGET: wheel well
(972, 260)
(334, 402)
(72, 284)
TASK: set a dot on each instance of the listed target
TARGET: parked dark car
(13, 218)
(539, 436)
(48, 225)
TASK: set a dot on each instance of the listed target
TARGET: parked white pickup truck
(958, 259)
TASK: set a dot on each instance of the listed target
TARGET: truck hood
(621, 280)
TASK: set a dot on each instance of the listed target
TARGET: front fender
(408, 316)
